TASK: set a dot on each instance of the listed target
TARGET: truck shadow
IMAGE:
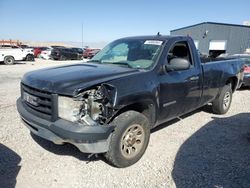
(9, 167)
(217, 155)
(70, 150)
(65, 149)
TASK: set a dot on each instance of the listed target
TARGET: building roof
(214, 23)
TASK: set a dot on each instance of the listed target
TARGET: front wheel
(223, 102)
(129, 139)
(62, 58)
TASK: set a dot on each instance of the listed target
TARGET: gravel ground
(201, 150)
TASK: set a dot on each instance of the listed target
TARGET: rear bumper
(87, 138)
(246, 80)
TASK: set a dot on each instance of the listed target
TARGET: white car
(28, 52)
(45, 54)
(9, 56)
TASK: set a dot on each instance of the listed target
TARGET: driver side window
(180, 50)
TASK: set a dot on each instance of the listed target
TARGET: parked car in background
(38, 50)
(45, 54)
(64, 54)
(10, 56)
(246, 60)
(28, 52)
(89, 53)
(79, 51)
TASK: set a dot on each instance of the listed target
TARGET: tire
(223, 102)
(129, 139)
(62, 58)
(9, 60)
(79, 57)
(29, 57)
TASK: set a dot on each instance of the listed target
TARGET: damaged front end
(90, 107)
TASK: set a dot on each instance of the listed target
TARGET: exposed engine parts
(98, 104)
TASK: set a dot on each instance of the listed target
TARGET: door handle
(194, 78)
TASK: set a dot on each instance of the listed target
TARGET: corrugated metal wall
(237, 37)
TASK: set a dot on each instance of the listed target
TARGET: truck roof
(155, 37)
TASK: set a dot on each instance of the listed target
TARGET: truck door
(180, 90)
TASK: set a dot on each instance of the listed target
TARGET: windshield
(133, 53)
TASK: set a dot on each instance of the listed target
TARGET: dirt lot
(201, 150)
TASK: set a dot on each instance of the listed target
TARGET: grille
(42, 104)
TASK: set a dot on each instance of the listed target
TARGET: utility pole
(82, 35)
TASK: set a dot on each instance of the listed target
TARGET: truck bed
(214, 76)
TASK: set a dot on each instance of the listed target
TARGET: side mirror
(177, 64)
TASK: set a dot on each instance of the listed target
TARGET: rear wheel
(9, 60)
(129, 139)
(223, 102)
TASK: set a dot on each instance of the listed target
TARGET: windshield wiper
(116, 63)
(95, 61)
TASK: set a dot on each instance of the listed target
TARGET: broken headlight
(88, 107)
(69, 109)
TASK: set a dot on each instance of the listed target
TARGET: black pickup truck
(109, 104)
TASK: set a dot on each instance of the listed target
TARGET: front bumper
(88, 139)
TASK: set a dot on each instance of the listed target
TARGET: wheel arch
(9, 56)
(234, 82)
(147, 108)
(29, 54)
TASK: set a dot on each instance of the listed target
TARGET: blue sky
(61, 20)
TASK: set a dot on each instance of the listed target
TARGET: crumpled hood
(67, 79)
